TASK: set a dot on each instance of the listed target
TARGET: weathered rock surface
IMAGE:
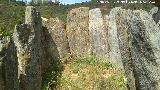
(155, 13)
(98, 34)
(78, 31)
(144, 44)
(138, 44)
(27, 38)
(129, 38)
(49, 50)
(8, 65)
(118, 40)
(57, 31)
(153, 10)
(114, 49)
(121, 17)
(133, 40)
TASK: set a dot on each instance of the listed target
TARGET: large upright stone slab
(136, 35)
(122, 16)
(27, 38)
(119, 49)
(57, 31)
(78, 31)
(145, 50)
(98, 34)
(8, 65)
(113, 42)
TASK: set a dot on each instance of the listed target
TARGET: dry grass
(89, 73)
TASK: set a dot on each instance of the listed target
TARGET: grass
(89, 73)
(10, 15)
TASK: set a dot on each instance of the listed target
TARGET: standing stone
(145, 50)
(27, 38)
(56, 29)
(134, 39)
(119, 50)
(121, 17)
(8, 65)
(114, 50)
(98, 34)
(78, 31)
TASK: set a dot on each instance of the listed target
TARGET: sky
(70, 1)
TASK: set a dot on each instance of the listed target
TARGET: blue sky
(70, 1)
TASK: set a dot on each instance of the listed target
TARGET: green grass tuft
(89, 73)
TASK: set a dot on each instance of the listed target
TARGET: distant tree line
(33, 2)
(44, 2)
(7, 1)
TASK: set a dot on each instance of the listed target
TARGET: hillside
(14, 13)
(85, 46)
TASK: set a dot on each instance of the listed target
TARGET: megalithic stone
(98, 34)
(113, 42)
(145, 50)
(136, 38)
(119, 50)
(8, 65)
(57, 31)
(78, 31)
(121, 18)
(27, 38)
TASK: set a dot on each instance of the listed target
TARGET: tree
(6, 1)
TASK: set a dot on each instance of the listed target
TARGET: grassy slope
(10, 15)
(87, 73)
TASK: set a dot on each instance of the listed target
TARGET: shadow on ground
(50, 77)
